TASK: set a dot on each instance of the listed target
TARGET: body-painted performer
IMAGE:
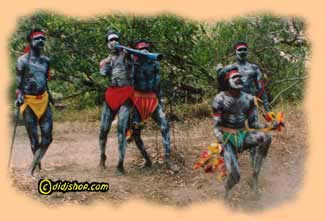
(117, 97)
(251, 75)
(231, 108)
(147, 102)
(33, 95)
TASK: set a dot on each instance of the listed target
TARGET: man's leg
(258, 144)
(160, 118)
(231, 162)
(123, 117)
(105, 125)
(46, 125)
(30, 120)
(136, 119)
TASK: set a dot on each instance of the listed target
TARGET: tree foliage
(191, 51)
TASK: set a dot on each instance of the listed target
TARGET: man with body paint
(147, 102)
(231, 108)
(33, 95)
(117, 97)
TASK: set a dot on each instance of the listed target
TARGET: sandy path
(74, 156)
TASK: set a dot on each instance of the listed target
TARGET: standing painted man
(117, 97)
(147, 102)
(231, 108)
(33, 95)
(251, 75)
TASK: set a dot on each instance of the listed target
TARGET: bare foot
(171, 165)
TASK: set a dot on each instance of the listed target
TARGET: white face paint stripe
(112, 36)
(234, 75)
(239, 47)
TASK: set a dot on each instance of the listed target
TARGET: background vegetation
(191, 52)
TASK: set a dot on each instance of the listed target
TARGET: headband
(112, 36)
(32, 35)
(142, 45)
(241, 45)
(228, 75)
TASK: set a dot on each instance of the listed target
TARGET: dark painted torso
(118, 68)
(234, 109)
(35, 74)
(146, 76)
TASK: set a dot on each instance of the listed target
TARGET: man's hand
(51, 99)
(269, 116)
(162, 101)
(219, 67)
(19, 98)
(278, 125)
(275, 125)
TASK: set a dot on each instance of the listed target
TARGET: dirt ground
(74, 155)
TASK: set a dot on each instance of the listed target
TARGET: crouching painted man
(117, 97)
(147, 102)
(231, 108)
(33, 95)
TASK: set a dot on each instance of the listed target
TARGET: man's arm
(48, 76)
(157, 81)
(217, 114)
(253, 115)
(20, 71)
(261, 89)
(105, 66)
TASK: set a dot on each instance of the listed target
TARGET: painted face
(235, 81)
(38, 41)
(241, 53)
(112, 40)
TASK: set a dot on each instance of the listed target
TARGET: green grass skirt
(236, 139)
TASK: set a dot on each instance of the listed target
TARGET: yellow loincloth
(38, 104)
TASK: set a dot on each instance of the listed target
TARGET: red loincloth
(116, 96)
(145, 102)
